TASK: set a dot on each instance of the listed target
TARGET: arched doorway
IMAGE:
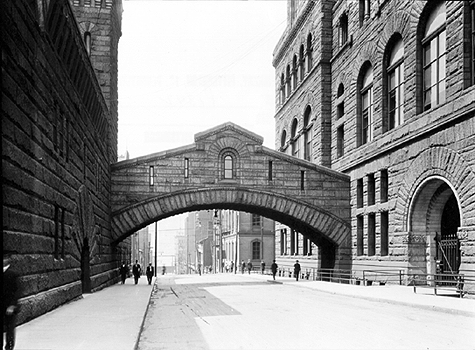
(433, 245)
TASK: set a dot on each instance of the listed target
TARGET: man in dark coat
(149, 273)
(297, 270)
(123, 272)
(11, 292)
(273, 268)
(137, 271)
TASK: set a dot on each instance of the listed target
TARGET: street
(228, 311)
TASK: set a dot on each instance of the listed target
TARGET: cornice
(293, 33)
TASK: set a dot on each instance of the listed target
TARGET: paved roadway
(229, 311)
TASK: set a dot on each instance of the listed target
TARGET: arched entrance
(434, 218)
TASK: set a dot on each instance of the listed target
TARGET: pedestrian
(137, 271)
(263, 266)
(11, 292)
(149, 273)
(164, 269)
(123, 272)
(232, 266)
(243, 266)
(199, 269)
(296, 270)
(249, 266)
(273, 268)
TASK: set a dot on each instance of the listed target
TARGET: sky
(188, 66)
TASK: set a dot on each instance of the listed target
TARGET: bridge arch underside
(330, 233)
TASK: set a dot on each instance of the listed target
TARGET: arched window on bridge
(228, 164)
(228, 167)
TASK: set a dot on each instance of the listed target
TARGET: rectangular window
(371, 189)
(340, 110)
(151, 175)
(270, 170)
(305, 245)
(384, 233)
(359, 235)
(434, 71)
(283, 242)
(256, 250)
(187, 168)
(302, 180)
(340, 141)
(367, 116)
(396, 96)
(296, 244)
(371, 234)
(256, 220)
(359, 193)
(292, 241)
(384, 186)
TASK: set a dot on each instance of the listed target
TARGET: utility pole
(156, 245)
(262, 238)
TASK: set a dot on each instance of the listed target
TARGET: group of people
(136, 272)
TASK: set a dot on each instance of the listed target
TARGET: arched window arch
(294, 139)
(434, 57)
(288, 81)
(283, 140)
(395, 85)
(282, 89)
(295, 69)
(365, 118)
(87, 42)
(302, 62)
(307, 134)
(309, 52)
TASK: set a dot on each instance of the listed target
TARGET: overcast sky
(187, 66)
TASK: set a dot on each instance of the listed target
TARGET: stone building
(246, 236)
(384, 92)
(59, 137)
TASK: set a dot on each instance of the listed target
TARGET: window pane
(392, 80)
(442, 68)
(427, 56)
(442, 43)
(442, 92)
(427, 78)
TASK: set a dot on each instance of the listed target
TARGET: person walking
(296, 270)
(11, 292)
(149, 273)
(243, 266)
(137, 271)
(123, 272)
(273, 268)
(263, 266)
(249, 266)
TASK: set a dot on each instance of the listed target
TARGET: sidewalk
(112, 318)
(390, 293)
(108, 319)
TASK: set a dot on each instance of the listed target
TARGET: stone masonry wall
(55, 168)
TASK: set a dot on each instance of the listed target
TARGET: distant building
(246, 236)
(141, 247)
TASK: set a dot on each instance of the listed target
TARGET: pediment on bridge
(229, 130)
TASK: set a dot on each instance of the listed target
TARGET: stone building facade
(59, 137)
(384, 92)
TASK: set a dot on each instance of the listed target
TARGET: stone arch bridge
(227, 167)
